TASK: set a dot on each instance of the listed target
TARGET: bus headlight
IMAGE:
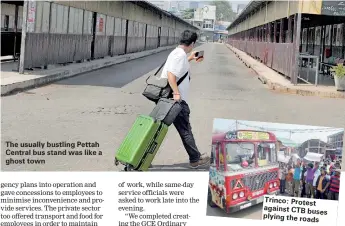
(271, 185)
(275, 184)
(241, 194)
(234, 196)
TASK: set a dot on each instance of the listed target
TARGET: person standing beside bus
(309, 177)
(289, 179)
(334, 184)
(322, 184)
(282, 177)
(296, 180)
(317, 173)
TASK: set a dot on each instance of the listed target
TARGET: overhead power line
(323, 129)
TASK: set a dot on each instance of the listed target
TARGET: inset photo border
(251, 159)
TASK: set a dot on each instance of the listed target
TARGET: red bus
(244, 168)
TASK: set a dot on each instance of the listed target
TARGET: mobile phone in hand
(199, 54)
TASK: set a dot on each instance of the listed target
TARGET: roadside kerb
(71, 70)
(262, 70)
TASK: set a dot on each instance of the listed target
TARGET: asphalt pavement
(253, 212)
(101, 106)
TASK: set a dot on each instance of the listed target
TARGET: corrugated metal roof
(252, 5)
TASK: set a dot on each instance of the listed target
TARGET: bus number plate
(245, 206)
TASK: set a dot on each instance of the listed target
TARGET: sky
(298, 136)
(233, 3)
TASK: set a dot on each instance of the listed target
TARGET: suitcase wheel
(116, 162)
(128, 168)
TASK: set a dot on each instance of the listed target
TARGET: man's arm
(328, 183)
(173, 83)
(174, 69)
(191, 57)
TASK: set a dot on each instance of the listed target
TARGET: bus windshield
(241, 155)
(240, 152)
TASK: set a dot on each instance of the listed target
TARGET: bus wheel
(223, 203)
(209, 200)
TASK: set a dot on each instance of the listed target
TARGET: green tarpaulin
(288, 143)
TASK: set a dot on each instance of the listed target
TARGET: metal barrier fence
(278, 56)
(58, 34)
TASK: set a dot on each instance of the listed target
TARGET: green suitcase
(141, 144)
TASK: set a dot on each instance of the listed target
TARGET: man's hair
(188, 37)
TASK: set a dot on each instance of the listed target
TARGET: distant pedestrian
(334, 185)
(322, 185)
(282, 177)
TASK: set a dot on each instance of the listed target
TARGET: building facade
(313, 145)
(336, 140)
(220, 32)
(205, 19)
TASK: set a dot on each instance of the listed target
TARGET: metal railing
(278, 56)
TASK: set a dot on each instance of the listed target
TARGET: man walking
(176, 66)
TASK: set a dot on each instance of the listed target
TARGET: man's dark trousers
(183, 127)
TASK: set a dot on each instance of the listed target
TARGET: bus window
(266, 154)
(221, 159)
(240, 155)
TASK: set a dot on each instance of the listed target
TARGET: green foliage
(224, 11)
(188, 14)
(339, 70)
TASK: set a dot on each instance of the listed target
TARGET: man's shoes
(203, 161)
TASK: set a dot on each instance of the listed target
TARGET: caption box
(300, 210)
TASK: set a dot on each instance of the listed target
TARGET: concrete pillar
(296, 41)
(343, 41)
(289, 33)
(275, 31)
(15, 31)
(281, 30)
(23, 41)
(306, 44)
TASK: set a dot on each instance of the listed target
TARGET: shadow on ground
(177, 167)
(119, 75)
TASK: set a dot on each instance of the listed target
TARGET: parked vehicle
(244, 168)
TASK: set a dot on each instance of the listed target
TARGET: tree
(224, 11)
(188, 14)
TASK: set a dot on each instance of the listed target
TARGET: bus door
(217, 167)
